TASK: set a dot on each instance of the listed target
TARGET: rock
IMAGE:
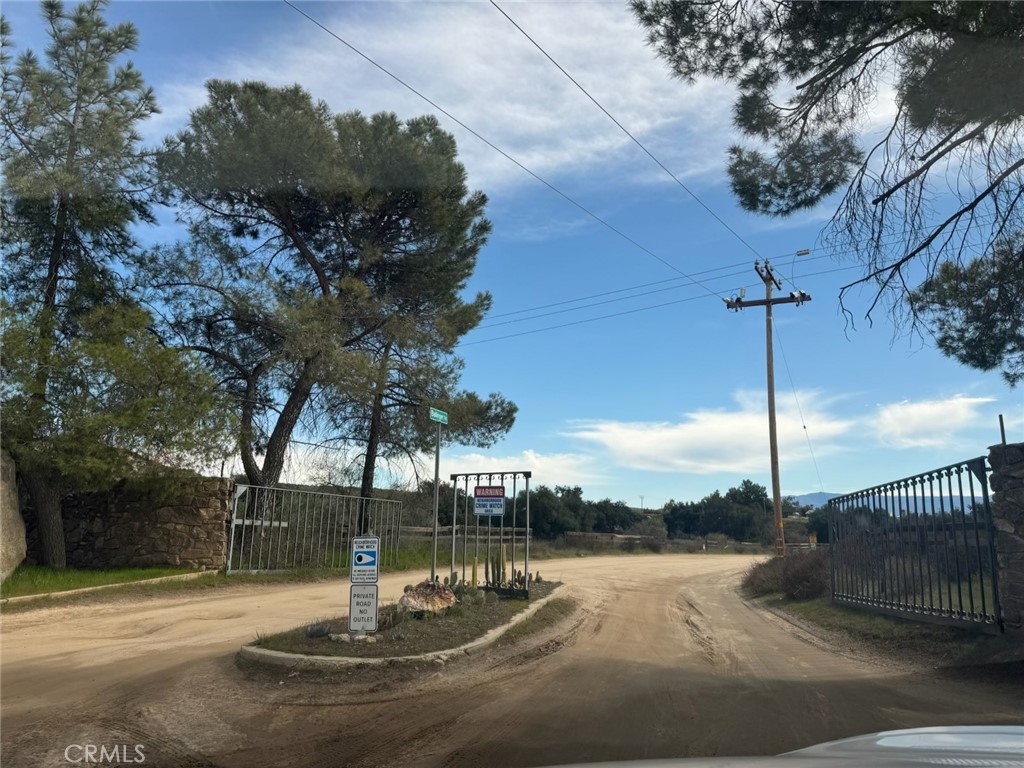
(427, 597)
(371, 639)
(342, 638)
(439, 661)
(12, 527)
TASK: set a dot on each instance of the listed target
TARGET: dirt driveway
(662, 660)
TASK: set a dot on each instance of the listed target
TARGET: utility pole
(736, 304)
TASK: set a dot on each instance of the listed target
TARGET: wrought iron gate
(287, 529)
(922, 547)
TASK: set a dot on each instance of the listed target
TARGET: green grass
(401, 634)
(937, 644)
(550, 614)
(891, 631)
(945, 595)
(206, 582)
(416, 553)
(38, 579)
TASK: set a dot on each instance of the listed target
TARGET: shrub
(805, 575)
(764, 578)
(390, 617)
(491, 597)
(318, 630)
(653, 533)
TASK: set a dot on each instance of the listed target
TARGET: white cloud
(468, 59)
(709, 441)
(925, 423)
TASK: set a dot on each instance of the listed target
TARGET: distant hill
(816, 499)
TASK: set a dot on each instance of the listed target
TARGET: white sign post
(362, 608)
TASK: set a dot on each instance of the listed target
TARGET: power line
(626, 131)
(610, 293)
(623, 290)
(602, 294)
(498, 149)
(572, 201)
(594, 304)
(800, 410)
(629, 311)
(581, 322)
(885, 243)
(802, 256)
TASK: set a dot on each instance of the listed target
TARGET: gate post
(238, 490)
(1007, 463)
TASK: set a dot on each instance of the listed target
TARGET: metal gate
(922, 547)
(288, 529)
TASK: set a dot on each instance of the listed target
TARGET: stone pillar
(1007, 462)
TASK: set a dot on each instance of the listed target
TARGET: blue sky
(663, 402)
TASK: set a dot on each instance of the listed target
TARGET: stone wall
(12, 527)
(186, 526)
(1007, 462)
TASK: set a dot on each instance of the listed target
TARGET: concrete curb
(331, 663)
(83, 590)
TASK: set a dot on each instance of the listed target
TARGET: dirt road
(663, 660)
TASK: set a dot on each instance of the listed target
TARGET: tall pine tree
(88, 394)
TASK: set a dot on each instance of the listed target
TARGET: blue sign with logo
(365, 557)
(365, 554)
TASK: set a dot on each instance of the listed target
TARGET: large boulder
(427, 597)
(12, 527)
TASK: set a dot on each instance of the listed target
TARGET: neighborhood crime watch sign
(489, 500)
(362, 608)
(365, 554)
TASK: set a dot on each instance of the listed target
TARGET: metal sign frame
(490, 476)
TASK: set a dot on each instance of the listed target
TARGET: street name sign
(438, 415)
